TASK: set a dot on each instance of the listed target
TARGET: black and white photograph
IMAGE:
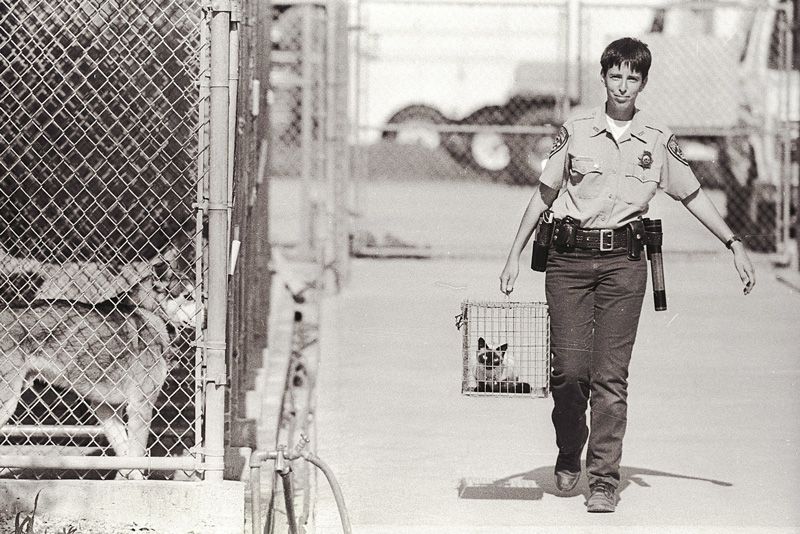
(399, 266)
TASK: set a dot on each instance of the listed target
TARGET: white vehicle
(730, 104)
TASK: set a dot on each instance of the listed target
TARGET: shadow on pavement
(532, 485)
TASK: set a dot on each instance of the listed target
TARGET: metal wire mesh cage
(100, 245)
(506, 348)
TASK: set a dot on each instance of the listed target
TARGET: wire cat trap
(506, 349)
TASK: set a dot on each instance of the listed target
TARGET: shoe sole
(571, 486)
(600, 510)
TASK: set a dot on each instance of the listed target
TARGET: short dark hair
(627, 50)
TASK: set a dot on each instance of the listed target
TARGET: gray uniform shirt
(605, 183)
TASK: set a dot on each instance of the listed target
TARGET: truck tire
(485, 151)
(416, 124)
(528, 151)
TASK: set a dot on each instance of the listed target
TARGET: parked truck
(732, 100)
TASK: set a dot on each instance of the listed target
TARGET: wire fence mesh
(100, 310)
(111, 150)
(310, 121)
(250, 280)
(440, 92)
(457, 107)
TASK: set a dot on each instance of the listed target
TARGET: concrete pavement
(713, 431)
(714, 426)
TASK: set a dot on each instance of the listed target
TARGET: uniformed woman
(602, 171)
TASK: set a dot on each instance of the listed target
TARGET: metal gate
(103, 267)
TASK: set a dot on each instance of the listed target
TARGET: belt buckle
(606, 239)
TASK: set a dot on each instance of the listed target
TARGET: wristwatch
(729, 242)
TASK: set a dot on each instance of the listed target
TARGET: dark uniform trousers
(595, 299)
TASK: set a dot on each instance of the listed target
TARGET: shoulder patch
(675, 149)
(560, 142)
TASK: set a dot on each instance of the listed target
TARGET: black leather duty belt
(604, 239)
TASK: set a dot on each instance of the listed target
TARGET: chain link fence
(99, 252)
(478, 95)
(249, 298)
(138, 143)
(725, 79)
(310, 127)
(441, 94)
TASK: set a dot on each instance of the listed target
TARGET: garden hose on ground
(280, 457)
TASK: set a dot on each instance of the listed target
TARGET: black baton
(653, 240)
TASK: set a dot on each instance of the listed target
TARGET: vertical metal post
(321, 134)
(201, 252)
(255, 499)
(331, 257)
(306, 129)
(216, 375)
(355, 117)
(233, 95)
(571, 20)
(342, 116)
(786, 134)
(579, 28)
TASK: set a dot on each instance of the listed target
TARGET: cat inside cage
(506, 348)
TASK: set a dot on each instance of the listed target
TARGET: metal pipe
(279, 456)
(524, 129)
(160, 463)
(355, 134)
(474, 3)
(786, 176)
(233, 96)
(343, 118)
(200, 251)
(255, 498)
(288, 498)
(571, 18)
(52, 431)
(331, 257)
(218, 207)
(256, 459)
(306, 130)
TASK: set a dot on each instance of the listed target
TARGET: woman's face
(622, 87)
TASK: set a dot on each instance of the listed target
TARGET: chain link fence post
(218, 213)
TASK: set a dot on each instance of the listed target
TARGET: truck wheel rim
(490, 151)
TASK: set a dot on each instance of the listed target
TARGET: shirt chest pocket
(639, 185)
(585, 177)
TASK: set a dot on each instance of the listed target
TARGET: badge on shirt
(675, 149)
(646, 160)
(560, 142)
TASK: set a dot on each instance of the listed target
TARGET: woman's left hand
(743, 266)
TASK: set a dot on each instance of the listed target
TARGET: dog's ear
(502, 348)
(481, 343)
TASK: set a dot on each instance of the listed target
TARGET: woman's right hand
(509, 276)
